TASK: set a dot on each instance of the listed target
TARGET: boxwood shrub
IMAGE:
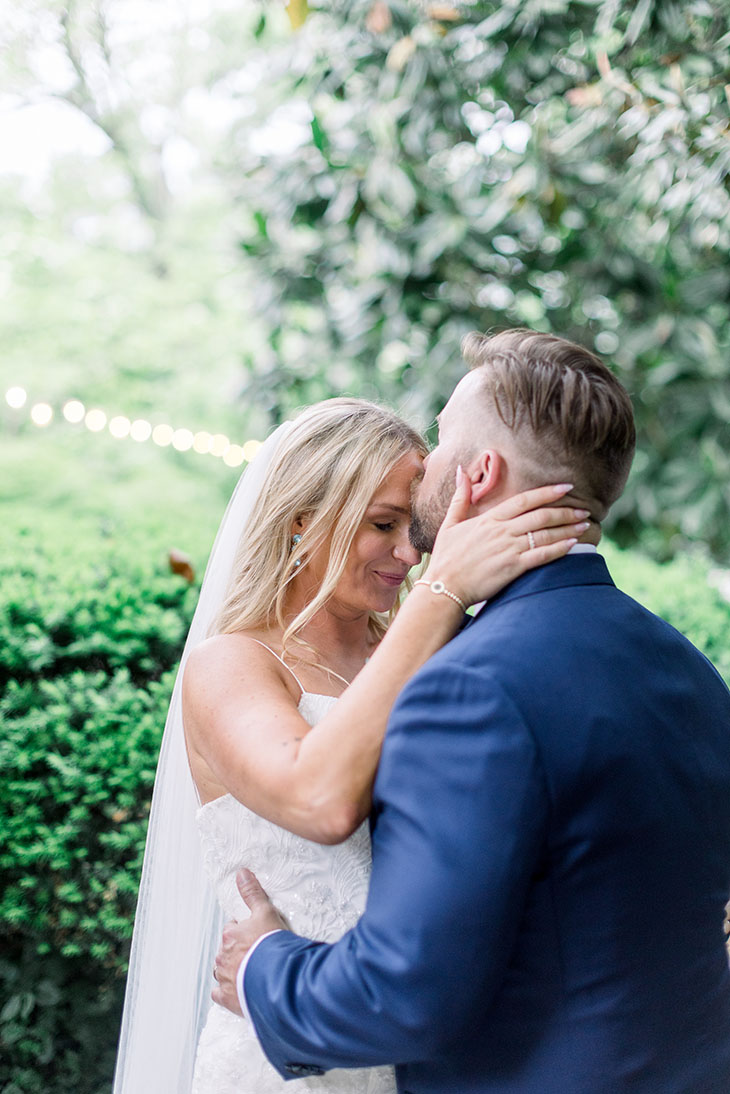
(684, 592)
(91, 626)
(90, 632)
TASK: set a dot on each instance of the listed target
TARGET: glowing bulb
(95, 420)
(41, 414)
(74, 411)
(182, 440)
(218, 444)
(140, 430)
(201, 442)
(16, 397)
(120, 426)
(250, 449)
(162, 435)
(233, 455)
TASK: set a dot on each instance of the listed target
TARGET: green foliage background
(555, 164)
(87, 666)
(392, 174)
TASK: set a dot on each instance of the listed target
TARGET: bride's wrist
(450, 571)
(447, 565)
(441, 586)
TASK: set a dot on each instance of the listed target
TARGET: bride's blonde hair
(327, 468)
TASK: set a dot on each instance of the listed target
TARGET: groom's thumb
(250, 889)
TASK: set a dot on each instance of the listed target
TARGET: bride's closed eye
(384, 526)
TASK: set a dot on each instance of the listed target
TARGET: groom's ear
(485, 472)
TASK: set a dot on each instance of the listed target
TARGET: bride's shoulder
(226, 672)
(236, 645)
(222, 654)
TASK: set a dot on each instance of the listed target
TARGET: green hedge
(91, 627)
(682, 592)
(89, 637)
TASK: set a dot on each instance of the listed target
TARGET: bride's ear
(485, 473)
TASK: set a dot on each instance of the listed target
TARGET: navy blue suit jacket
(551, 861)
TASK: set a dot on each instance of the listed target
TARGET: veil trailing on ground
(178, 923)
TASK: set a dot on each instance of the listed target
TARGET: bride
(290, 634)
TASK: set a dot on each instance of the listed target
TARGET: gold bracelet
(439, 588)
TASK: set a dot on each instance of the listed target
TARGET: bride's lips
(391, 579)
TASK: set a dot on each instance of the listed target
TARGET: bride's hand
(475, 557)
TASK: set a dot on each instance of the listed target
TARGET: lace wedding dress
(320, 890)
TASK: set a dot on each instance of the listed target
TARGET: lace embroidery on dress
(320, 889)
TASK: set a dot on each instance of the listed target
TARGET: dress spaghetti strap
(278, 658)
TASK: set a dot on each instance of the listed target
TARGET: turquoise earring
(295, 539)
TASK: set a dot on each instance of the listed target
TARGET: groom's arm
(461, 805)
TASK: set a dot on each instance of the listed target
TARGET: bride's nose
(405, 552)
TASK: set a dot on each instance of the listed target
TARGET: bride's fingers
(547, 552)
(250, 889)
(514, 533)
(547, 537)
(546, 518)
(460, 500)
(528, 500)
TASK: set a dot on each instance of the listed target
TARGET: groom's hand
(238, 938)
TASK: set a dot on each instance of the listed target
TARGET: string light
(140, 430)
(41, 414)
(233, 455)
(219, 444)
(250, 449)
(182, 440)
(74, 411)
(16, 397)
(201, 442)
(162, 435)
(119, 427)
(95, 420)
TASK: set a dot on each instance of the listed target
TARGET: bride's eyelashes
(384, 526)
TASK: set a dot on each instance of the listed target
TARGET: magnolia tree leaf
(456, 166)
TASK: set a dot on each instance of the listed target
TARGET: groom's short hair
(569, 413)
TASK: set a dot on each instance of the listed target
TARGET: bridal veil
(177, 925)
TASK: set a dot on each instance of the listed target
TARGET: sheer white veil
(177, 925)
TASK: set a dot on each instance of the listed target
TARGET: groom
(551, 825)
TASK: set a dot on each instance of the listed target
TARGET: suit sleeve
(461, 809)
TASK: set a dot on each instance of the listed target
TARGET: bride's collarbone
(313, 670)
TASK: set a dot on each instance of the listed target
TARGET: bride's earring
(296, 539)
